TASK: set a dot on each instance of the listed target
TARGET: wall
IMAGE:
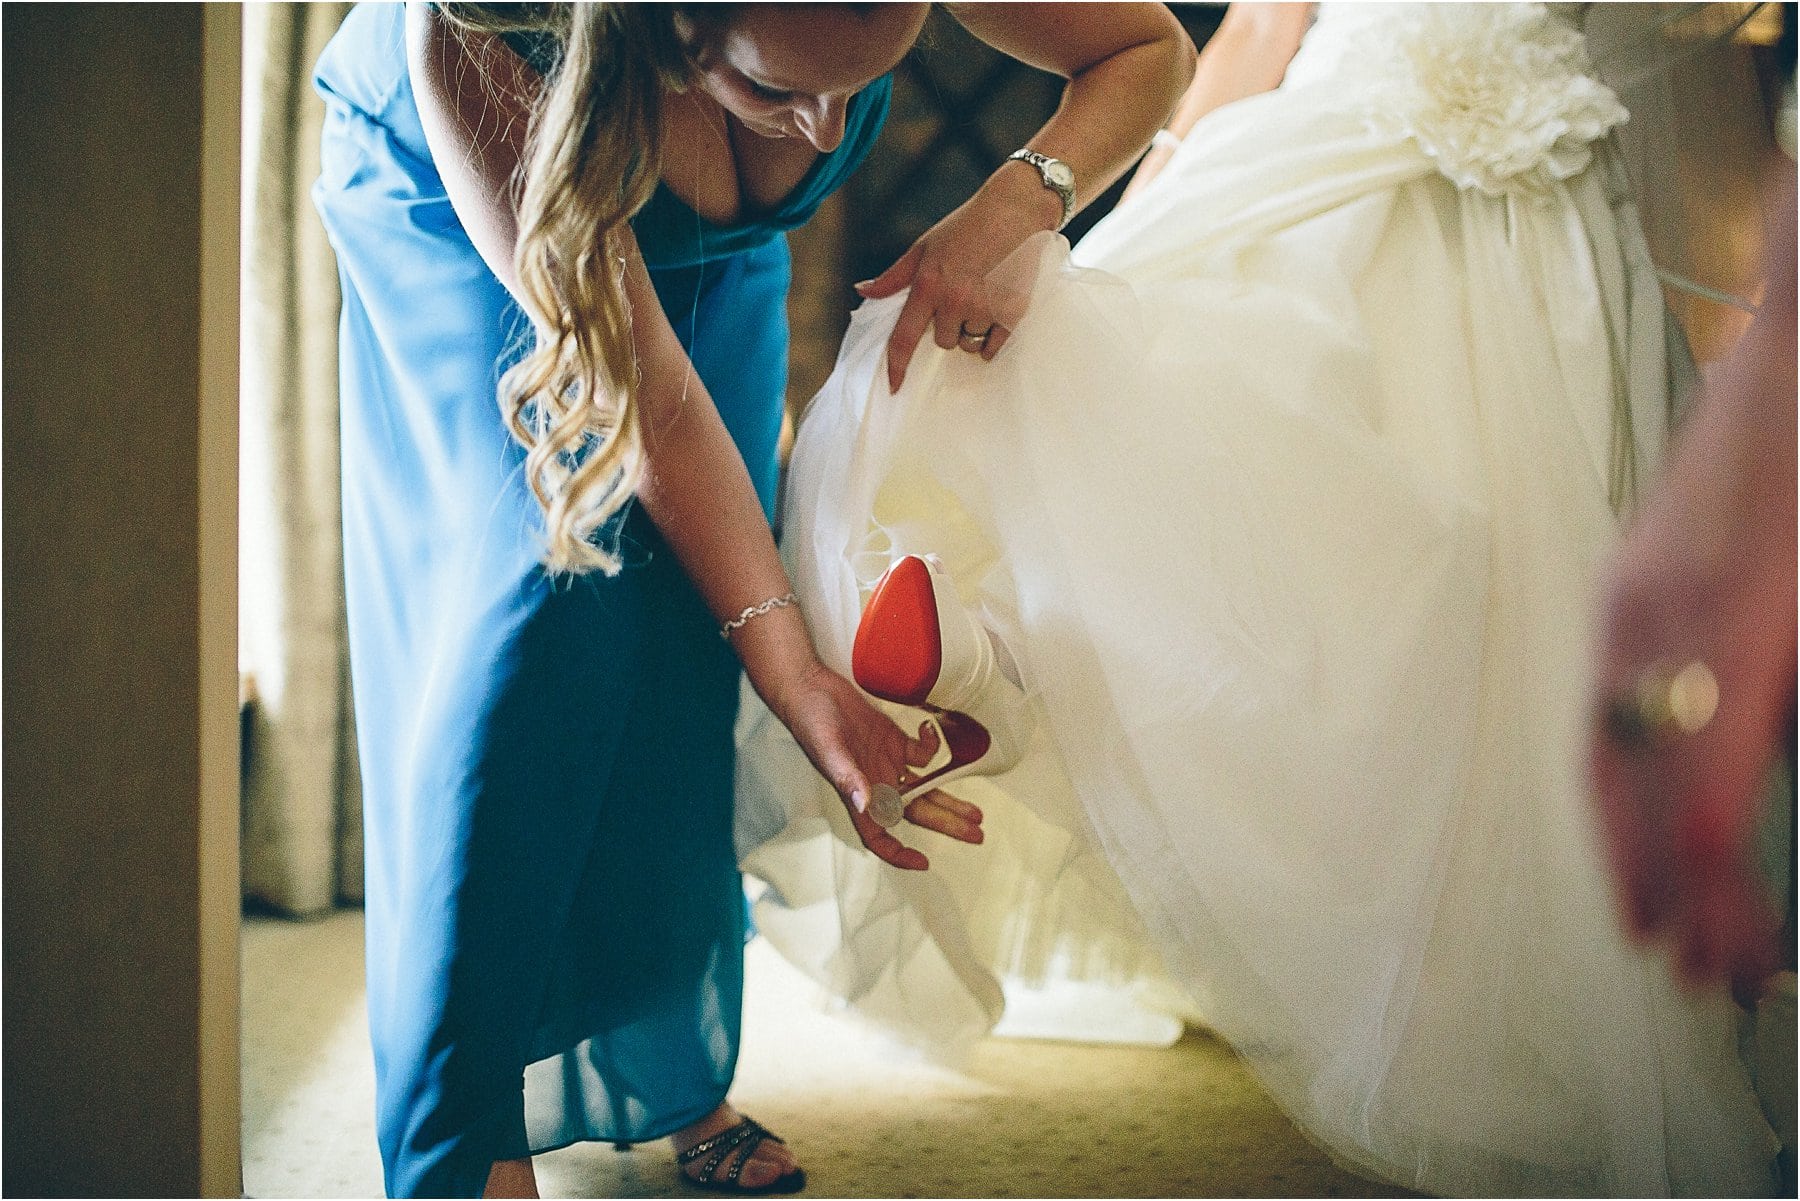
(119, 761)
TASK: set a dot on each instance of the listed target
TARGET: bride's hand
(950, 270)
(854, 745)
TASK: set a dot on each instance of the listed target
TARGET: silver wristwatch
(1057, 177)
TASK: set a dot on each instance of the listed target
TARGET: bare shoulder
(476, 85)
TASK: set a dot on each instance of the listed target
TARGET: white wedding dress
(1288, 496)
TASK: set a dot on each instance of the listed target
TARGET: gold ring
(1663, 702)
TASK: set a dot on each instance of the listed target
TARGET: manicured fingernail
(863, 284)
(860, 800)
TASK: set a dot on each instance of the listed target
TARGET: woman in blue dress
(579, 210)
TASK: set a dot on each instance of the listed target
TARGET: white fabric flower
(1498, 96)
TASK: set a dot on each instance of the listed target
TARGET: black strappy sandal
(742, 1139)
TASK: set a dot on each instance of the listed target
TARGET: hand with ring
(936, 810)
(1695, 675)
(950, 272)
(1693, 695)
(852, 743)
(1679, 750)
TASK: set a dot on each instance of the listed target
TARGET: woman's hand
(855, 746)
(1126, 66)
(950, 270)
(1679, 810)
(1706, 575)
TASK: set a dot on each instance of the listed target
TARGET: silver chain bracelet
(738, 622)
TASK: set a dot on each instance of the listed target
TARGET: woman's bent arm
(1126, 65)
(474, 100)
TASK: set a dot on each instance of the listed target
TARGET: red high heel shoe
(918, 645)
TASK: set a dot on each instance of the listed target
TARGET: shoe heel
(917, 645)
(970, 747)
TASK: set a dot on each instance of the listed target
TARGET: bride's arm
(1248, 54)
(695, 487)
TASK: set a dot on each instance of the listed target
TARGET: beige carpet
(1024, 1119)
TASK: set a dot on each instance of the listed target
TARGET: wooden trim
(221, 141)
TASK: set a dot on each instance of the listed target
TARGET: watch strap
(1044, 163)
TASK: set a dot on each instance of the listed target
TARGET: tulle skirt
(1288, 496)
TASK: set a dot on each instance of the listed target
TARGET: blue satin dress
(555, 921)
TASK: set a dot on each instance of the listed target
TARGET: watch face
(1058, 173)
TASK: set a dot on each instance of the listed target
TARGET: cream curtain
(302, 814)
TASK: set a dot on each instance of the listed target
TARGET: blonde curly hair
(593, 159)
